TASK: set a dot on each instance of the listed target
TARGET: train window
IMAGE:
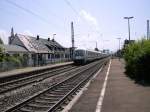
(79, 53)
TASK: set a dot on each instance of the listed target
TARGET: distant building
(106, 51)
(38, 50)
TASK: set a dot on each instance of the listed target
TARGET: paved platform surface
(121, 93)
(29, 69)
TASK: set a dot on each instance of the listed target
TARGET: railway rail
(21, 82)
(53, 98)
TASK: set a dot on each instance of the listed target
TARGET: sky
(100, 21)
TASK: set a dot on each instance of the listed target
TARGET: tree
(1, 54)
(1, 41)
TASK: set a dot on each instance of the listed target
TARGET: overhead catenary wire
(79, 16)
(31, 12)
(50, 12)
(70, 5)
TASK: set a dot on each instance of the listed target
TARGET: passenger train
(84, 56)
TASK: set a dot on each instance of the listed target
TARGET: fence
(5, 65)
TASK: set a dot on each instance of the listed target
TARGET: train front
(79, 56)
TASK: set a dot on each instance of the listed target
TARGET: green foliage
(16, 60)
(1, 55)
(137, 57)
(1, 41)
(1, 49)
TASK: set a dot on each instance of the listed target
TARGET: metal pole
(119, 42)
(128, 18)
(129, 28)
(96, 44)
(147, 29)
(72, 39)
(119, 53)
(54, 47)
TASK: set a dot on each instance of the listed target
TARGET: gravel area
(17, 96)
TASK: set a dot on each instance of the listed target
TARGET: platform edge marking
(102, 93)
(75, 99)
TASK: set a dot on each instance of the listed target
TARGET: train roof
(89, 50)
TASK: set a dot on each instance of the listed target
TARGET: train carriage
(84, 56)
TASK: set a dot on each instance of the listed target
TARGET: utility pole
(72, 40)
(119, 46)
(148, 30)
(128, 18)
(119, 42)
(53, 47)
(96, 44)
(96, 49)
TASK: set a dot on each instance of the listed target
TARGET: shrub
(1, 54)
(14, 60)
(137, 57)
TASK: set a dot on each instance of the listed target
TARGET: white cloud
(4, 36)
(88, 41)
(89, 18)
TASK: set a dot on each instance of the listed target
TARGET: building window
(49, 56)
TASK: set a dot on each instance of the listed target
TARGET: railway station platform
(16, 72)
(112, 91)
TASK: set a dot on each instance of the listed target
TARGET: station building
(36, 50)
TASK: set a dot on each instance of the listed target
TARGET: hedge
(137, 57)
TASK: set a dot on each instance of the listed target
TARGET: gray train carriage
(84, 56)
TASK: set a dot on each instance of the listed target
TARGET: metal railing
(5, 65)
(8, 65)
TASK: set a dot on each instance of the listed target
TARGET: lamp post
(128, 18)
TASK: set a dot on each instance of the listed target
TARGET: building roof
(13, 49)
(39, 45)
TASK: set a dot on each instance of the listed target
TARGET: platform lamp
(128, 18)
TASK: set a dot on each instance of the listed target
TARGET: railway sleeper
(35, 108)
(67, 86)
(49, 102)
(49, 98)
(43, 105)
(70, 86)
(62, 90)
(56, 93)
(59, 109)
(31, 109)
(53, 95)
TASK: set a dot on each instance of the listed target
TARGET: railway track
(54, 97)
(21, 82)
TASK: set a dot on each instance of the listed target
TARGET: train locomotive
(84, 56)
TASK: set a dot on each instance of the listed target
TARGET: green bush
(14, 60)
(137, 57)
(1, 55)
